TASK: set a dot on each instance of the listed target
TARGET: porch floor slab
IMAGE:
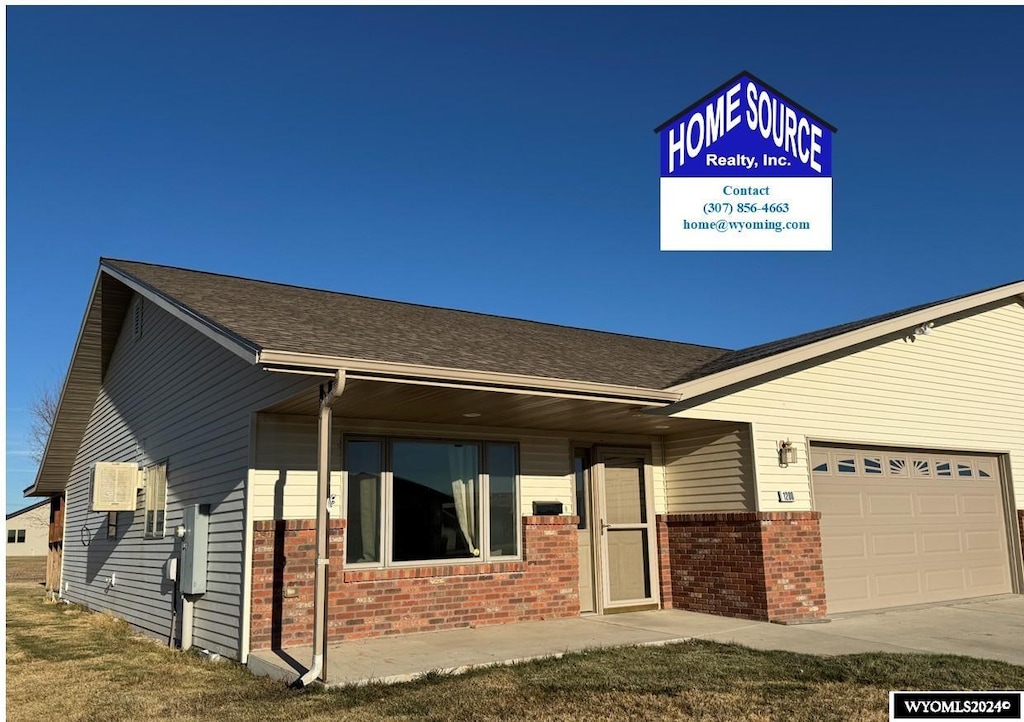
(987, 628)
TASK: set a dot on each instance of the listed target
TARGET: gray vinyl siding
(710, 469)
(173, 396)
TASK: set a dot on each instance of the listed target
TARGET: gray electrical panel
(193, 549)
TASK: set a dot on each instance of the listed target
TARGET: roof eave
(464, 378)
(700, 389)
(237, 344)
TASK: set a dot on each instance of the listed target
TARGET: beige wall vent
(114, 486)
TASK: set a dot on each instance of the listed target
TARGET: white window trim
(387, 496)
(150, 479)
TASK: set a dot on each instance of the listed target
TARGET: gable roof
(752, 362)
(732, 81)
(266, 317)
(286, 327)
(28, 509)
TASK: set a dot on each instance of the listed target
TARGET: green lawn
(67, 663)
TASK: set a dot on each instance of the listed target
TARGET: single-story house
(480, 470)
(28, 530)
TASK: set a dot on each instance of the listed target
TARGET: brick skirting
(753, 565)
(375, 602)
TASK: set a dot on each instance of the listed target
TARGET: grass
(64, 662)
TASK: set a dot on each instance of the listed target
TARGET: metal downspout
(323, 484)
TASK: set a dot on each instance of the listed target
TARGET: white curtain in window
(368, 517)
(464, 492)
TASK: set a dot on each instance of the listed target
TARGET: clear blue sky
(493, 159)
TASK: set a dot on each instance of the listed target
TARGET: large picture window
(433, 501)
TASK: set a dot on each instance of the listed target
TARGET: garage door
(901, 527)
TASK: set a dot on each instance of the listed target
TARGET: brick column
(752, 565)
(283, 560)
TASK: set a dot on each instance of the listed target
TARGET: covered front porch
(585, 485)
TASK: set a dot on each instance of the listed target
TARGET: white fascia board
(779, 361)
(236, 345)
(462, 378)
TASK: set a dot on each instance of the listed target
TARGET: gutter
(328, 396)
(312, 364)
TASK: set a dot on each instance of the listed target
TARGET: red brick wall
(751, 565)
(370, 603)
(793, 571)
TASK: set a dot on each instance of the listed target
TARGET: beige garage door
(903, 528)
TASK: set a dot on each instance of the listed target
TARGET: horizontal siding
(710, 469)
(36, 525)
(546, 472)
(958, 388)
(172, 395)
(285, 477)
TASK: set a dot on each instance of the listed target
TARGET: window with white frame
(156, 500)
(15, 536)
(429, 501)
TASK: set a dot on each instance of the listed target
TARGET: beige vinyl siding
(36, 525)
(710, 469)
(546, 473)
(958, 388)
(286, 450)
(171, 395)
(285, 475)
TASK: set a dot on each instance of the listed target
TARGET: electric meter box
(193, 549)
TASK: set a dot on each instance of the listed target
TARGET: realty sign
(746, 168)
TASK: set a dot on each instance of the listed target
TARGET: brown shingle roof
(289, 318)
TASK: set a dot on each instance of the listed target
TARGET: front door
(625, 529)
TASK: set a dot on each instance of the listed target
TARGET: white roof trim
(236, 345)
(463, 378)
(780, 361)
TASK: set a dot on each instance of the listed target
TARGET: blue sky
(493, 159)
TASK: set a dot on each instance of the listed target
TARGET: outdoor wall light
(924, 329)
(787, 453)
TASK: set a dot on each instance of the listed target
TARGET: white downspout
(323, 483)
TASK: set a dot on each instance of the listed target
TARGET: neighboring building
(873, 464)
(28, 531)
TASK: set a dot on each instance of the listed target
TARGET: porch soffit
(397, 402)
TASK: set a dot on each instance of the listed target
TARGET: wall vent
(114, 486)
(137, 318)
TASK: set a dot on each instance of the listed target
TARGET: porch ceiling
(389, 401)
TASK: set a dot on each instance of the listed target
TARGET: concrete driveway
(990, 628)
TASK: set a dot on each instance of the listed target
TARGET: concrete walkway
(990, 628)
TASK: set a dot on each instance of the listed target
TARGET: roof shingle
(290, 318)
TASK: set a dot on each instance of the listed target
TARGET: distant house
(488, 470)
(28, 530)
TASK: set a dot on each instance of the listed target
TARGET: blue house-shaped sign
(745, 128)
